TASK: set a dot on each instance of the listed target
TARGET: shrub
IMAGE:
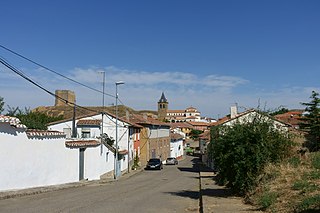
(294, 161)
(313, 175)
(242, 151)
(304, 186)
(309, 203)
(267, 199)
(315, 161)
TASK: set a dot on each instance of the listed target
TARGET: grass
(304, 186)
(267, 199)
(309, 204)
(291, 186)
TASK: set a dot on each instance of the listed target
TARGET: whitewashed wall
(29, 163)
(174, 148)
(159, 132)
(95, 162)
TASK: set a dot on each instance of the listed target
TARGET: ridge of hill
(67, 111)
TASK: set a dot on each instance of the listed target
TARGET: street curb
(38, 190)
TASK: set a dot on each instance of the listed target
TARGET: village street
(173, 189)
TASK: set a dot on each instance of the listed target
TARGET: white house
(176, 145)
(89, 128)
(32, 158)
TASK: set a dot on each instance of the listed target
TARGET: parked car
(154, 163)
(171, 161)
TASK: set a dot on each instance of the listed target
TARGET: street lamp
(103, 86)
(116, 151)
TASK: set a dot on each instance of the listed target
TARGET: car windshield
(154, 160)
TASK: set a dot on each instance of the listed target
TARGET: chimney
(233, 112)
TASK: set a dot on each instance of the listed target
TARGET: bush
(267, 199)
(294, 161)
(315, 161)
(242, 151)
(309, 203)
(304, 186)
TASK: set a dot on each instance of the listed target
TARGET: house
(293, 117)
(188, 114)
(202, 126)
(88, 140)
(176, 145)
(154, 138)
(182, 128)
(34, 158)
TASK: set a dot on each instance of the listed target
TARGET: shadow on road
(195, 166)
(190, 194)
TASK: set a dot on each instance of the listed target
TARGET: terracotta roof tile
(35, 133)
(78, 143)
(89, 122)
(13, 121)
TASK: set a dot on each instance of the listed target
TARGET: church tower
(162, 108)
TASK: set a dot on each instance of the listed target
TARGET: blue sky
(207, 54)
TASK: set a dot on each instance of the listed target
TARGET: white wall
(95, 163)
(159, 132)
(174, 148)
(34, 162)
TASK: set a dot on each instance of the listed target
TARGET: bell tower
(162, 108)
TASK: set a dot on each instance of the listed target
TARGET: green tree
(279, 111)
(33, 120)
(194, 134)
(311, 121)
(1, 105)
(240, 152)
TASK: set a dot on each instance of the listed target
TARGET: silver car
(171, 161)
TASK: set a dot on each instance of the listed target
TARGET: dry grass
(294, 182)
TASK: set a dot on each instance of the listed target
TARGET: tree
(311, 121)
(33, 120)
(240, 152)
(194, 134)
(279, 111)
(1, 105)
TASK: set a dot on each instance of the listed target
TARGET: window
(85, 133)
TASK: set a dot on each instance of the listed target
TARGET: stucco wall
(174, 148)
(34, 162)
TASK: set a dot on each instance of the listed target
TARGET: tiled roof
(176, 136)
(13, 121)
(193, 123)
(35, 132)
(89, 122)
(291, 117)
(205, 135)
(175, 111)
(93, 114)
(181, 125)
(138, 119)
(82, 143)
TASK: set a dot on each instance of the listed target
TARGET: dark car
(154, 163)
(171, 161)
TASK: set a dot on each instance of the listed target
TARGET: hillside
(67, 111)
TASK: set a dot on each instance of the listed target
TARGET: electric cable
(57, 73)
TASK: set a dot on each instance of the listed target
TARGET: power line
(21, 74)
(48, 69)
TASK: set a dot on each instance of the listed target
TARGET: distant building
(162, 107)
(190, 114)
(64, 97)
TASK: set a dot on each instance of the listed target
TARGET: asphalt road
(173, 189)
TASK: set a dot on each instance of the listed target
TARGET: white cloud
(211, 94)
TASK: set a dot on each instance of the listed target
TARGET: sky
(208, 54)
